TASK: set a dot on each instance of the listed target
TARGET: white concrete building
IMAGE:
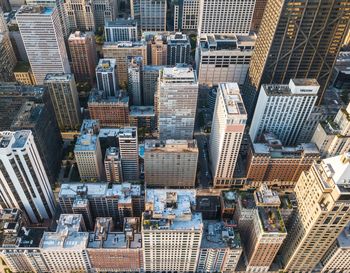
(88, 153)
(170, 163)
(176, 102)
(45, 49)
(64, 96)
(65, 249)
(333, 137)
(153, 15)
(171, 231)
(24, 182)
(104, 11)
(227, 131)
(121, 30)
(225, 16)
(106, 76)
(224, 58)
(338, 255)
(283, 109)
(113, 165)
(135, 80)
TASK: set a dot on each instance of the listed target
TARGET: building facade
(82, 48)
(176, 102)
(227, 132)
(121, 30)
(49, 55)
(179, 49)
(283, 109)
(135, 80)
(78, 15)
(8, 58)
(153, 15)
(104, 11)
(172, 163)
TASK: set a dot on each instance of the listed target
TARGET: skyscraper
(283, 109)
(106, 76)
(104, 11)
(225, 16)
(82, 48)
(24, 182)
(45, 49)
(179, 232)
(227, 132)
(64, 97)
(150, 82)
(153, 15)
(323, 211)
(79, 15)
(121, 30)
(113, 165)
(135, 80)
(258, 14)
(172, 163)
(7, 58)
(188, 14)
(297, 39)
(176, 102)
(159, 50)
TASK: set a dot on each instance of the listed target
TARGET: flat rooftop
(179, 72)
(296, 87)
(36, 9)
(121, 45)
(106, 65)
(217, 235)
(60, 77)
(126, 132)
(229, 199)
(121, 23)
(79, 35)
(86, 142)
(232, 97)
(171, 209)
(142, 111)
(170, 145)
(21, 138)
(22, 67)
(266, 197)
(344, 238)
(11, 89)
(99, 97)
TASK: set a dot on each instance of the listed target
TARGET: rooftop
(179, 73)
(126, 132)
(343, 62)
(67, 234)
(100, 97)
(344, 238)
(229, 199)
(59, 77)
(142, 111)
(36, 9)
(171, 209)
(79, 35)
(106, 65)
(121, 23)
(86, 142)
(296, 87)
(111, 45)
(271, 220)
(266, 197)
(230, 42)
(170, 145)
(22, 67)
(9, 89)
(217, 235)
(177, 37)
(232, 97)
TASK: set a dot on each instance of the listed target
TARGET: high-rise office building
(297, 39)
(276, 165)
(176, 102)
(143, 116)
(224, 58)
(169, 218)
(227, 132)
(170, 163)
(120, 52)
(225, 16)
(135, 10)
(113, 165)
(159, 50)
(79, 15)
(150, 82)
(153, 15)
(8, 58)
(41, 120)
(221, 248)
(64, 97)
(45, 49)
(283, 109)
(179, 49)
(25, 184)
(23, 73)
(337, 256)
(88, 153)
(104, 11)
(266, 233)
(135, 80)
(106, 76)
(332, 137)
(109, 111)
(121, 30)
(323, 212)
(82, 48)
(187, 12)
(258, 15)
